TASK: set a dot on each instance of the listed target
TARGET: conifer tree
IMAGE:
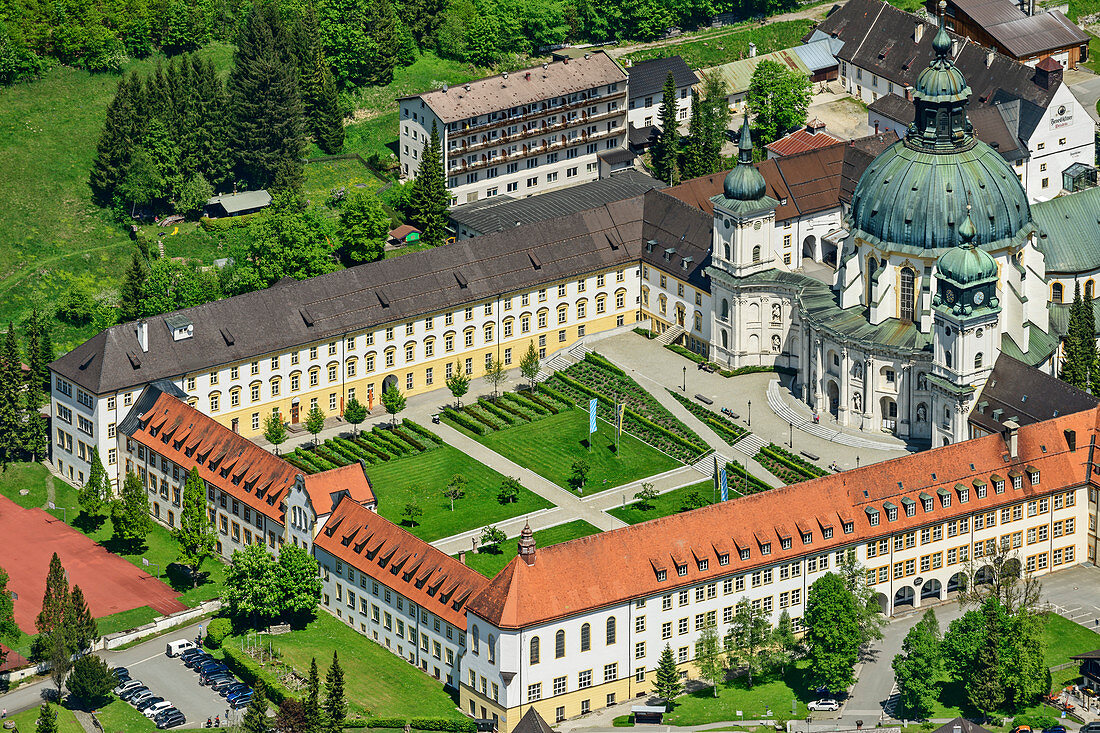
(56, 601)
(335, 705)
(11, 385)
(429, 199)
(716, 119)
(330, 118)
(255, 717)
(112, 158)
(45, 354)
(131, 295)
(265, 107)
(695, 154)
(312, 701)
(32, 349)
(93, 495)
(205, 129)
(130, 513)
(81, 628)
(383, 43)
(9, 630)
(667, 685)
(195, 534)
(667, 147)
(47, 719)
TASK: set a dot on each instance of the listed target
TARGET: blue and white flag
(592, 415)
(724, 484)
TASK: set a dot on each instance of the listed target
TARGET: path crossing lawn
(377, 680)
(489, 564)
(775, 693)
(549, 447)
(422, 479)
(671, 502)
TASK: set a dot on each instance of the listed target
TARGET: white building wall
(646, 111)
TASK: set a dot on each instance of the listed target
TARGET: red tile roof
(351, 478)
(802, 140)
(400, 560)
(225, 459)
(620, 565)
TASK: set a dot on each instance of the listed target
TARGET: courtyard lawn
(775, 694)
(713, 48)
(491, 563)
(422, 479)
(549, 447)
(671, 502)
(378, 682)
(26, 721)
(1064, 638)
(120, 717)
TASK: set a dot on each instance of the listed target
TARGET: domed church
(938, 272)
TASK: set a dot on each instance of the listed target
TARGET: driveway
(1087, 91)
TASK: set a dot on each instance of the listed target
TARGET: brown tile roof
(1016, 391)
(617, 566)
(380, 549)
(324, 488)
(989, 124)
(802, 140)
(504, 91)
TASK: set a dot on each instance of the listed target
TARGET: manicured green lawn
(549, 447)
(671, 502)
(422, 480)
(378, 682)
(489, 563)
(1064, 638)
(26, 721)
(775, 694)
(121, 717)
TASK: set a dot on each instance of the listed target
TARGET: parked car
(215, 678)
(241, 702)
(235, 692)
(1093, 727)
(223, 684)
(120, 671)
(235, 688)
(1055, 729)
(133, 692)
(170, 719)
(177, 647)
(193, 652)
(148, 702)
(138, 697)
(1022, 729)
(127, 685)
(824, 705)
(197, 660)
(153, 710)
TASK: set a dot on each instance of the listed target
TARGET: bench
(811, 456)
(704, 399)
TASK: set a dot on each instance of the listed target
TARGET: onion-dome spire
(744, 144)
(744, 182)
(941, 44)
(967, 231)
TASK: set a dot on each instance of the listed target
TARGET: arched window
(491, 651)
(907, 294)
(350, 366)
(947, 359)
(662, 305)
(586, 637)
(559, 644)
(1089, 289)
(725, 339)
(756, 253)
(534, 654)
(610, 630)
(563, 313)
(725, 309)
(475, 638)
(727, 248)
(1056, 293)
(978, 360)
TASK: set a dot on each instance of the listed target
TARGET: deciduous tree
(364, 227)
(412, 514)
(832, 633)
(495, 374)
(298, 581)
(393, 401)
(355, 412)
(709, 658)
(645, 496)
(529, 366)
(315, 421)
(456, 488)
(291, 717)
(275, 430)
(778, 98)
(509, 490)
(459, 384)
(748, 639)
(286, 240)
(252, 585)
(491, 537)
(579, 475)
(130, 513)
(917, 667)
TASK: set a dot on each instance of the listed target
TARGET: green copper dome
(916, 192)
(966, 264)
(744, 182)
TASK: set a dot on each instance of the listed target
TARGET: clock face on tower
(979, 297)
(949, 296)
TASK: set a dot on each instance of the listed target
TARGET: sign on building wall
(1061, 116)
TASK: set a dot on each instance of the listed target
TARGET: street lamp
(750, 414)
(857, 461)
(685, 387)
(790, 435)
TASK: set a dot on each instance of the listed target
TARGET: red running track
(109, 583)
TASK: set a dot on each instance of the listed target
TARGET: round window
(756, 225)
(979, 333)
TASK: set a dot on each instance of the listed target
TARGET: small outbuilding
(402, 235)
(647, 713)
(237, 204)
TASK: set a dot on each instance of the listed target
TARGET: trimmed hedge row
(410, 439)
(551, 404)
(497, 411)
(730, 431)
(523, 403)
(422, 431)
(249, 672)
(330, 455)
(519, 415)
(796, 462)
(735, 472)
(602, 361)
(390, 442)
(465, 725)
(465, 421)
(321, 462)
(370, 447)
(478, 414)
(686, 353)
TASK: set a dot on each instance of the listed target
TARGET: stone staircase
(670, 335)
(750, 444)
(705, 465)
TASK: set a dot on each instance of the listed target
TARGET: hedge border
(250, 673)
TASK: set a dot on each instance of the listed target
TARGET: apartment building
(396, 589)
(409, 321)
(520, 133)
(647, 85)
(920, 526)
(248, 490)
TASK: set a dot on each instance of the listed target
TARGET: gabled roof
(737, 75)
(618, 566)
(400, 560)
(960, 725)
(325, 489)
(1016, 391)
(532, 722)
(990, 123)
(802, 140)
(243, 201)
(1022, 34)
(647, 78)
(1069, 231)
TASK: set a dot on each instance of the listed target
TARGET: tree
(984, 688)
(93, 495)
(667, 684)
(36, 437)
(917, 667)
(1024, 672)
(832, 633)
(286, 240)
(131, 294)
(709, 658)
(130, 513)
(275, 430)
(509, 490)
(9, 630)
(456, 488)
(778, 99)
(412, 514)
(81, 628)
(11, 386)
(1074, 368)
(579, 474)
(1015, 588)
(667, 147)
(694, 500)
(459, 384)
(320, 104)
(529, 366)
(252, 584)
(429, 199)
(870, 617)
(716, 119)
(355, 412)
(299, 581)
(312, 701)
(491, 537)
(90, 681)
(47, 719)
(335, 705)
(364, 227)
(315, 421)
(495, 374)
(291, 717)
(112, 157)
(255, 717)
(60, 658)
(195, 535)
(645, 496)
(785, 643)
(193, 195)
(56, 601)
(265, 106)
(394, 402)
(748, 640)
(695, 149)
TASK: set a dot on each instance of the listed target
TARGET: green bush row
(723, 426)
(523, 402)
(329, 455)
(796, 462)
(250, 672)
(601, 361)
(645, 332)
(322, 463)
(476, 412)
(735, 470)
(493, 409)
(465, 421)
(464, 725)
(422, 431)
(780, 469)
(686, 353)
(342, 450)
(519, 415)
(390, 441)
(550, 402)
(225, 223)
(410, 438)
(299, 463)
(362, 440)
(747, 370)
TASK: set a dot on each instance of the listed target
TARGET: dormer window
(744, 554)
(724, 559)
(873, 516)
(998, 485)
(766, 548)
(682, 570)
(891, 512)
(910, 507)
(964, 494)
(1018, 481)
(927, 502)
(945, 497)
(1033, 476)
(703, 564)
(662, 576)
(849, 527)
(785, 543)
(827, 533)
(807, 537)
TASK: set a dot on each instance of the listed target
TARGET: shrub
(216, 631)
(464, 725)
(686, 353)
(550, 405)
(500, 412)
(464, 421)
(601, 361)
(523, 403)
(386, 438)
(484, 417)
(341, 450)
(645, 332)
(421, 430)
(330, 455)
(225, 223)
(250, 672)
(299, 463)
(385, 723)
(549, 391)
(410, 439)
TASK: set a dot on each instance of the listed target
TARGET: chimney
(954, 47)
(467, 87)
(527, 544)
(1071, 440)
(918, 31)
(752, 50)
(1048, 73)
(908, 93)
(462, 557)
(876, 127)
(989, 56)
(957, 728)
(1012, 429)
(544, 65)
(142, 333)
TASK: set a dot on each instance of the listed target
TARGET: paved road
(1087, 91)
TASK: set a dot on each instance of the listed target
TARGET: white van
(175, 648)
